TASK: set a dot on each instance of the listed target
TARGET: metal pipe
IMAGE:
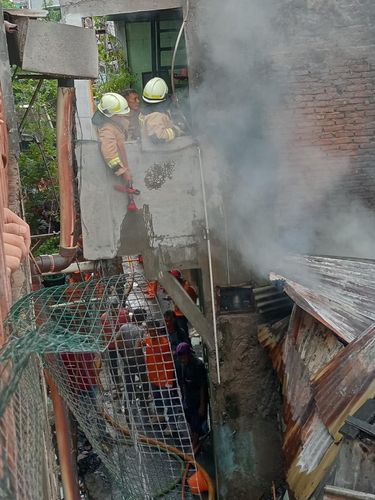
(33, 98)
(65, 146)
(345, 493)
(178, 39)
(64, 443)
(210, 269)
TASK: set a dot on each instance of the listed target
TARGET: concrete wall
(99, 8)
(72, 51)
(246, 408)
(171, 196)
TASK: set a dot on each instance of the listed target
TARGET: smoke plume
(281, 195)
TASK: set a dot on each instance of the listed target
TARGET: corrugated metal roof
(346, 382)
(340, 293)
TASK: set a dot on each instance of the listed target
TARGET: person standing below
(173, 334)
(130, 335)
(132, 98)
(181, 320)
(111, 321)
(82, 371)
(192, 378)
(155, 118)
(161, 373)
(110, 120)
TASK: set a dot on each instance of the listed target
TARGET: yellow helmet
(113, 104)
(156, 90)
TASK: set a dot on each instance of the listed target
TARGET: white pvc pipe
(211, 276)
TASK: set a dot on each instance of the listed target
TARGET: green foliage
(37, 162)
(54, 13)
(49, 247)
(115, 75)
(38, 165)
(7, 4)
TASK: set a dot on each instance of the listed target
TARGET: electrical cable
(169, 449)
(178, 39)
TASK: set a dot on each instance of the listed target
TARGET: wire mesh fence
(105, 344)
(27, 465)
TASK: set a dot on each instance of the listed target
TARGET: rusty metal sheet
(340, 293)
(347, 382)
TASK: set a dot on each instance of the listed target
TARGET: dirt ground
(246, 412)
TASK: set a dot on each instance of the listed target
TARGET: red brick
(344, 133)
(325, 109)
(333, 128)
(336, 115)
(348, 147)
(356, 87)
(326, 97)
(364, 93)
(325, 142)
(348, 107)
(343, 140)
(362, 140)
(323, 122)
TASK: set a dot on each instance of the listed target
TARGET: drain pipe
(58, 262)
(65, 146)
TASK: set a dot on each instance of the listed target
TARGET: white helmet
(156, 90)
(113, 104)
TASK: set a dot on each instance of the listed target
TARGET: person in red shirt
(161, 371)
(111, 323)
(83, 384)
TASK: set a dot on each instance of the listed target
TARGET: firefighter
(155, 119)
(110, 119)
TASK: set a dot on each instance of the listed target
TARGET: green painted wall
(138, 38)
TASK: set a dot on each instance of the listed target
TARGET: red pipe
(65, 155)
(64, 443)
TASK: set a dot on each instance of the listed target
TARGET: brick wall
(327, 116)
(287, 92)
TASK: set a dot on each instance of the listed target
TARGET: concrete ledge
(60, 50)
(100, 8)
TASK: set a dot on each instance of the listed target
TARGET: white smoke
(276, 203)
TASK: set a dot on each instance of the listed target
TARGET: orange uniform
(192, 294)
(158, 127)
(112, 137)
(159, 361)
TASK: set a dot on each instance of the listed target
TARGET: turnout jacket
(158, 127)
(112, 137)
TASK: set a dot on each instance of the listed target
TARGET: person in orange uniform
(112, 124)
(161, 372)
(181, 320)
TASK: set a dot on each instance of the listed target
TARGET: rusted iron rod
(64, 443)
(65, 153)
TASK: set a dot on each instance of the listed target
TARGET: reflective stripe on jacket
(158, 127)
(112, 145)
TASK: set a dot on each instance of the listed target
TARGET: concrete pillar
(245, 409)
